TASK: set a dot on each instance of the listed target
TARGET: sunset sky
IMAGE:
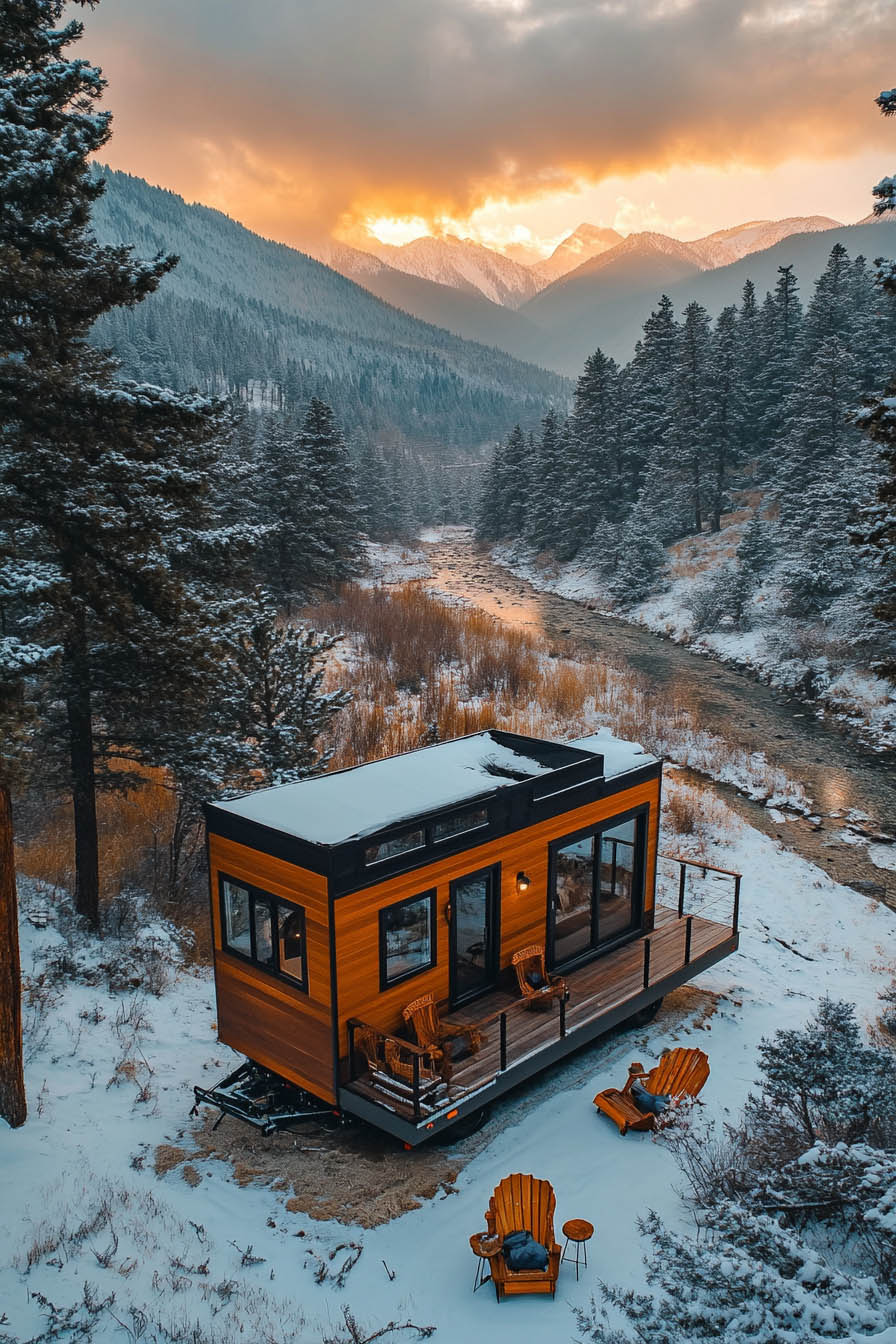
(510, 121)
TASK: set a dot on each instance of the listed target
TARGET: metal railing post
(682, 879)
(646, 963)
(736, 915)
(503, 1034)
(562, 1017)
(416, 1077)
(687, 940)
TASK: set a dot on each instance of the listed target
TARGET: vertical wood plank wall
(260, 1015)
(522, 915)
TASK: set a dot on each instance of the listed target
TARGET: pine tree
(333, 517)
(595, 487)
(876, 532)
(545, 484)
(722, 413)
(757, 547)
(694, 399)
(99, 480)
(782, 318)
(262, 727)
(749, 364)
(649, 434)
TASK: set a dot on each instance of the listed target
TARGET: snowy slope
(183, 1243)
(463, 264)
(587, 241)
(727, 245)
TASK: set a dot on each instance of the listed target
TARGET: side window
(264, 929)
(237, 932)
(407, 938)
(291, 941)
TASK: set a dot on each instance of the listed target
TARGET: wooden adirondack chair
(422, 1016)
(680, 1073)
(523, 1204)
(434, 1069)
(529, 966)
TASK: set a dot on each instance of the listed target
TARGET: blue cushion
(522, 1251)
(646, 1101)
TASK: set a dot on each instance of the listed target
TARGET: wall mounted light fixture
(523, 882)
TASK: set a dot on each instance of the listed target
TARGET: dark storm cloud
(312, 110)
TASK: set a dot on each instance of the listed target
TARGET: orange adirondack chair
(523, 1204)
(422, 1016)
(529, 965)
(680, 1073)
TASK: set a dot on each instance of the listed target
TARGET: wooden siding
(522, 917)
(262, 1016)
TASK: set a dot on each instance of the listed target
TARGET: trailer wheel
(645, 1015)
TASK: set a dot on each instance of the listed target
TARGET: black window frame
(641, 818)
(259, 895)
(430, 896)
(461, 813)
(492, 959)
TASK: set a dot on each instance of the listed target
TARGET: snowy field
(190, 1254)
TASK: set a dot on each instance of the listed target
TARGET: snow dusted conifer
(595, 486)
(875, 532)
(694, 398)
(271, 691)
(545, 483)
(99, 480)
(782, 318)
(333, 518)
(825, 1079)
(722, 413)
(757, 547)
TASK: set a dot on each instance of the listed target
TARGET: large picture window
(407, 938)
(265, 930)
(597, 884)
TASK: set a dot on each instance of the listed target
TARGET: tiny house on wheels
(406, 940)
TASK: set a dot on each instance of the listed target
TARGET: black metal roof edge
(582, 757)
(324, 860)
(268, 840)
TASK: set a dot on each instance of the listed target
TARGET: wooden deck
(520, 1040)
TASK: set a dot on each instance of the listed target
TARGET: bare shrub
(681, 812)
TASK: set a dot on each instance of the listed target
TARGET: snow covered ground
(394, 562)
(851, 693)
(193, 1253)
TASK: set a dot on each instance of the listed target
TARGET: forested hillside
(254, 317)
(760, 409)
(605, 302)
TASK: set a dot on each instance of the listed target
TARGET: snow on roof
(348, 804)
(619, 756)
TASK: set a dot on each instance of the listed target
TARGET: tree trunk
(12, 1081)
(80, 732)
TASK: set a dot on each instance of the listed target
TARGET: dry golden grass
(134, 830)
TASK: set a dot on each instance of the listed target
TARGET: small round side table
(485, 1245)
(578, 1231)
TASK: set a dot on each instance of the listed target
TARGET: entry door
(474, 934)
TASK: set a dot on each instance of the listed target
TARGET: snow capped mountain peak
(585, 242)
(462, 263)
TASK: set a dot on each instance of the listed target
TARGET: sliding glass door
(597, 886)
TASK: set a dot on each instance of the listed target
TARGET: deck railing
(684, 864)
(413, 1077)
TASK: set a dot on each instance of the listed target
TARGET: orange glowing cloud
(335, 114)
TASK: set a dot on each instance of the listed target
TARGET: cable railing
(425, 1080)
